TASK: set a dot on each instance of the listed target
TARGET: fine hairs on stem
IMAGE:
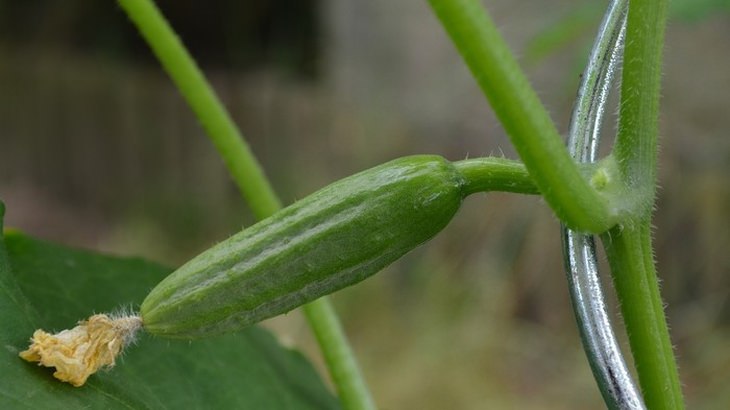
(604, 354)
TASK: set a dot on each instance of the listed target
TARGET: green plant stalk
(629, 252)
(341, 362)
(629, 247)
(495, 174)
(353, 391)
(567, 191)
(251, 181)
(636, 142)
(209, 110)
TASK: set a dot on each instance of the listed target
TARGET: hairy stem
(629, 252)
(528, 124)
(251, 181)
(495, 174)
(636, 143)
(629, 246)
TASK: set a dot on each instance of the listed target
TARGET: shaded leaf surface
(50, 286)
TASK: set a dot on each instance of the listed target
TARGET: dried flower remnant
(80, 352)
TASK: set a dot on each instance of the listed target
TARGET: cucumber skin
(329, 240)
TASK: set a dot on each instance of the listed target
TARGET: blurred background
(98, 150)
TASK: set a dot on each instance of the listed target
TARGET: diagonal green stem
(249, 177)
(343, 367)
(577, 203)
(528, 124)
(209, 110)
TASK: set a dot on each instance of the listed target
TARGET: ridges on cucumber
(331, 239)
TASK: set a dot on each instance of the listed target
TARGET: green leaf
(51, 286)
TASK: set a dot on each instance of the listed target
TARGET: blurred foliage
(696, 10)
(234, 34)
(578, 23)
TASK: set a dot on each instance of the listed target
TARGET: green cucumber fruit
(331, 239)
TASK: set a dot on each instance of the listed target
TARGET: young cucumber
(331, 239)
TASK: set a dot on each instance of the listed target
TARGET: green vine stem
(583, 205)
(251, 181)
(495, 174)
(636, 142)
(628, 246)
(629, 252)
(604, 354)
(528, 124)
(209, 110)
(327, 329)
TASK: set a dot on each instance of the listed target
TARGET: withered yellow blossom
(80, 352)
